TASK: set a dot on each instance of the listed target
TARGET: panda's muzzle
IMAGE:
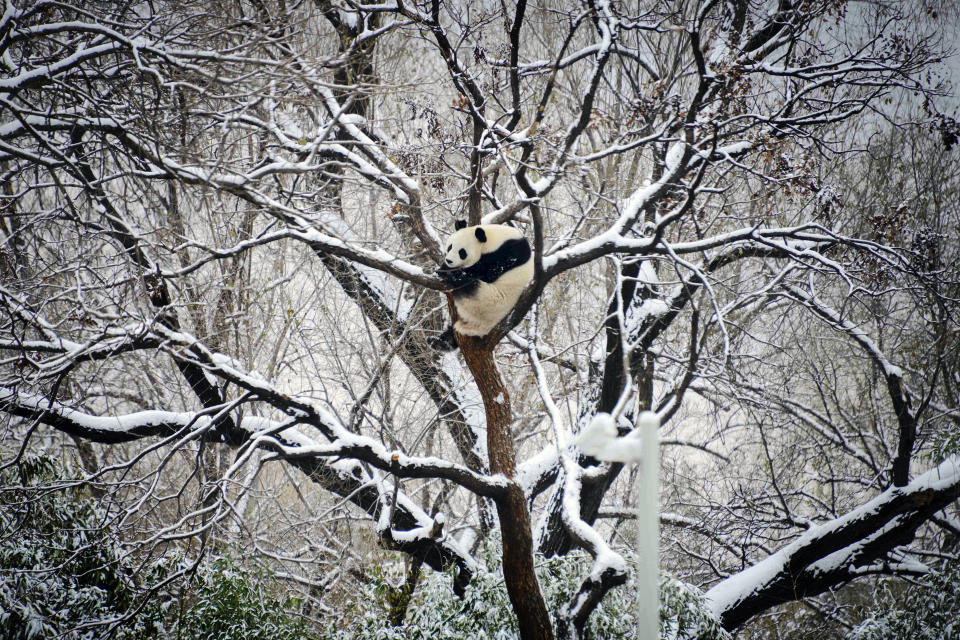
(463, 256)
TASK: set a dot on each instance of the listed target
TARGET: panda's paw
(455, 277)
(443, 342)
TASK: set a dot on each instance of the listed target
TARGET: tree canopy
(221, 223)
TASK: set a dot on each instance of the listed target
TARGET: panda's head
(464, 247)
(468, 244)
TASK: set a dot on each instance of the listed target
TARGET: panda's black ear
(481, 234)
(459, 224)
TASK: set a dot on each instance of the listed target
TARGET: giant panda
(489, 266)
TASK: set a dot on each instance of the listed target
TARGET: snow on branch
(829, 314)
(609, 568)
(833, 553)
(783, 239)
(401, 523)
(893, 375)
(399, 464)
(105, 429)
(344, 443)
(285, 443)
(190, 350)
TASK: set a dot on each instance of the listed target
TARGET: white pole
(599, 439)
(648, 531)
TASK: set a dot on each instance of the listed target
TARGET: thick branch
(833, 553)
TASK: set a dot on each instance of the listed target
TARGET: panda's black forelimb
(462, 281)
(456, 277)
(446, 341)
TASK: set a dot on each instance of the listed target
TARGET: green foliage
(946, 443)
(683, 615)
(231, 604)
(435, 613)
(60, 574)
(928, 612)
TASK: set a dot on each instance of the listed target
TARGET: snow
(372, 265)
(594, 439)
(599, 440)
(653, 307)
(603, 556)
(225, 360)
(349, 18)
(607, 28)
(638, 314)
(859, 335)
(728, 151)
(836, 560)
(720, 52)
(540, 185)
(387, 291)
(406, 185)
(631, 208)
(110, 424)
(24, 122)
(469, 400)
(892, 370)
(740, 586)
(674, 156)
(42, 73)
(303, 444)
(648, 274)
(535, 467)
(353, 445)
(605, 559)
(609, 238)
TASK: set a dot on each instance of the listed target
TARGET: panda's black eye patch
(449, 246)
(463, 254)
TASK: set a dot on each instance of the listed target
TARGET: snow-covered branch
(833, 553)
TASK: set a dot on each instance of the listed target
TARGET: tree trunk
(518, 574)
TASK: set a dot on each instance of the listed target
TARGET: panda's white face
(463, 249)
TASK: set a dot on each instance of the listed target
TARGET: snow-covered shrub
(435, 613)
(232, 604)
(946, 442)
(61, 575)
(927, 612)
(683, 615)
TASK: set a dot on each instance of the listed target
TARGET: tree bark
(518, 574)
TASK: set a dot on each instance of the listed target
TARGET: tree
(221, 222)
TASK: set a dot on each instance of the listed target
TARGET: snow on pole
(599, 440)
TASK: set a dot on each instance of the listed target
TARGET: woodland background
(220, 415)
